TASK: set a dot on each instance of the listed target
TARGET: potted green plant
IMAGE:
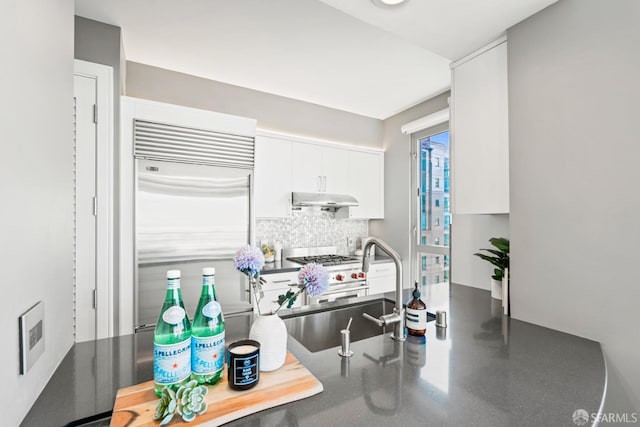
(499, 258)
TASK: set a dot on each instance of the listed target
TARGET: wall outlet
(31, 336)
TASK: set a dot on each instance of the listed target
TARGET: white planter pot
(496, 289)
(270, 331)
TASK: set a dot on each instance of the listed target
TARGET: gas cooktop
(324, 259)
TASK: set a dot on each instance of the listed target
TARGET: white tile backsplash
(309, 228)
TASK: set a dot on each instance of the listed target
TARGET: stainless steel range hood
(324, 200)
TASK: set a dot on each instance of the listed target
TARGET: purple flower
(249, 260)
(315, 278)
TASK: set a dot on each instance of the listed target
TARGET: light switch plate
(31, 337)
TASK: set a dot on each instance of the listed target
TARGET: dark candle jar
(244, 364)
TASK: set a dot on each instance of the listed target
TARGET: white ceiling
(451, 28)
(363, 59)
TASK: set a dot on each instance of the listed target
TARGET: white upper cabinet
(307, 167)
(480, 132)
(285, 163)
(335, 163)
(319, 168)
(366, 183)
(272, 182)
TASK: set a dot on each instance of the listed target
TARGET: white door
(85, 207)
(94, 310)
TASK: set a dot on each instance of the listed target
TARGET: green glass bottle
(207, 334)
(172, 339)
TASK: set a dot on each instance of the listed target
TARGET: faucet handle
(379, 322)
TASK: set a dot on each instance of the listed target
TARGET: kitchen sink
(321, 330)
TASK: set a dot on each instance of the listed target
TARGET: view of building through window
(435, 217)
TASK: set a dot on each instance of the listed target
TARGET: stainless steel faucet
(397, 317)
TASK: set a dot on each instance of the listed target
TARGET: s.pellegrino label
(212, 310)
(207, 354)
(416, 319)
(174, 315)
(171, 362)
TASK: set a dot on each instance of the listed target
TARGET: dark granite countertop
(488, 370)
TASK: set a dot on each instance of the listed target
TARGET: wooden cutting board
(136, 405)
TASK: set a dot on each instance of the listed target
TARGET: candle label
(207, 354)
(245, 369)
(171, 363)
(416, 319)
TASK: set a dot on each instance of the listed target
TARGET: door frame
(434, 129)
(105, 309)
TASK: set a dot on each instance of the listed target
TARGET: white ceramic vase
(496, 289)
(270, 331)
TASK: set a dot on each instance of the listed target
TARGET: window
(446, 276)
(446, 262)
(430, 174)
(446, 240)
(446, 203)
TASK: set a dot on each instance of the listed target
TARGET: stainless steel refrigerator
(190, 216)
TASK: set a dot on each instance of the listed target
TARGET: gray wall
(468, 234)
(395, 228)
(36, 170)
(273, 112)
(102, 44)
(574, 150)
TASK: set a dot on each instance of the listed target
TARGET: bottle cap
(173, 274)
(209, 271)
(416, 292)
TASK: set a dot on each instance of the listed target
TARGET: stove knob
(354, 275)
(339, 277)
(362, 275)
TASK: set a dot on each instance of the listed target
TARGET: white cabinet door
(381, 278)
(335, 170)
(366, 183)
(272, 183)
(480, 137)
(307, 167)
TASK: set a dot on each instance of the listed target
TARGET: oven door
(338, 293)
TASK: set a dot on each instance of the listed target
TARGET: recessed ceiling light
(388, 3)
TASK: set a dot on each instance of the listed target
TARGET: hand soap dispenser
(416, 314)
